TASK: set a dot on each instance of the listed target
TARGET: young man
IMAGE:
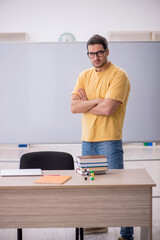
(101, 94)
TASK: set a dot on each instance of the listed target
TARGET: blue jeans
(114, 152)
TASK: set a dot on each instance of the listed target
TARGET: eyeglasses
(98, 54)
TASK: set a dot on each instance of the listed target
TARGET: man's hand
(82, 94)
(80, 102)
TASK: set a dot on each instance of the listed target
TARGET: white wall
(46, 20)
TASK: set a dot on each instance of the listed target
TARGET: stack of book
(97, 163)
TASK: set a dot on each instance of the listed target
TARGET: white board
(37, 80)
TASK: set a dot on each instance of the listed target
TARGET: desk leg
(145, 234)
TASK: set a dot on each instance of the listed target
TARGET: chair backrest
(47, 160)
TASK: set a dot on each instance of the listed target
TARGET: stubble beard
(100, 64)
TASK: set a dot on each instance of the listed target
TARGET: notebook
(53, 179)
(21, 172)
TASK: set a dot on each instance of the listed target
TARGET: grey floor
(135, 156)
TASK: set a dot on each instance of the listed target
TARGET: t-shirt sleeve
(79, 84)
(119, 87)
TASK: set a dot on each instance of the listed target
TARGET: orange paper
(53, 179)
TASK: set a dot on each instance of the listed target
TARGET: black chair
(48, 160)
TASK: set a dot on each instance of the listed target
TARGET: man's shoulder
(118, 70)
(119, 75)
(87, 71)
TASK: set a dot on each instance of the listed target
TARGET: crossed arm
(99, 106)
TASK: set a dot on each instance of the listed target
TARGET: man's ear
(107, 52)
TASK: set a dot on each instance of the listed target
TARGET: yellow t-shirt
(112, 83)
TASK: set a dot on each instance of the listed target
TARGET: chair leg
(77, 233)
(81, 234)
(19, 234)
